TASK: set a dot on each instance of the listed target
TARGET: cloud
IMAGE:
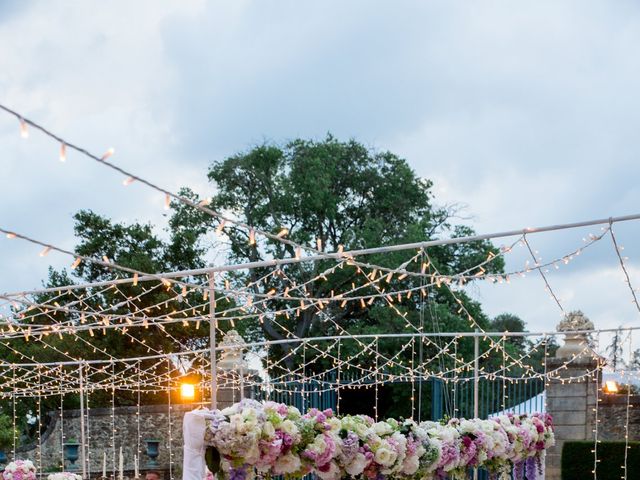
(527, 113)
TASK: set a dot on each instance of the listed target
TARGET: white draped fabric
(194, 466)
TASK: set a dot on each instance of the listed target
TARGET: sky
(525, 113)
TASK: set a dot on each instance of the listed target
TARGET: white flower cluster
(276, 439)
(64, 476)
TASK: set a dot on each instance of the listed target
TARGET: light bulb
(24, 132)
(63, 152)
(108, 153)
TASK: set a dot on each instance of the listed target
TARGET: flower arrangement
(276, 439)
(64, 476)
(19, 470)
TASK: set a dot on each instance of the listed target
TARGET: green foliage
(578, 460)
(7, 432)
(344, 195)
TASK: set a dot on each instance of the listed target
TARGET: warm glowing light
(24, 132)
(75, 264)
(128, 181)
(220, 227)
(108, 153)
(167, 201)
(283, 232)
(610, 386)
(187, 391)
(45, 251)
(63, 152)
(11, 235)
(252, 237)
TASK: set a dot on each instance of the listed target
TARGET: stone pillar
(233, 370)
(571, 404)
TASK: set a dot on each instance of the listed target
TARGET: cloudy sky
(526, 112)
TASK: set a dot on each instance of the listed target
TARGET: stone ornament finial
(575, 344)
(575, 321)
(232, 357)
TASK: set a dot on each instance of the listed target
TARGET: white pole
(476, 374)
(212, 341)
(323, 256)
(83, 457)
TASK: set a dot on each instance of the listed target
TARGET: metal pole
(212, 341)
(323, 256)
(476, 384)
(83, 458)
(476, 373)
(241, 381)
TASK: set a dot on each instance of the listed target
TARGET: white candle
(104, 465)
(121, 476)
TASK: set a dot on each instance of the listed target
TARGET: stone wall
(572, 407)
(162, 422)
(612, 413)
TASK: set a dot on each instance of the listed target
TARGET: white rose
(268, 429)
(410, 465)
(382, 428)
(385, 456)
(287, 464)
(357, 465)
(335, 423)
(289, 427)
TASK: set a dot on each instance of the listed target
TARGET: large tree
(329, 195)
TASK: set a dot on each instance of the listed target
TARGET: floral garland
(19, 470)
(64, 476)
(275, 439)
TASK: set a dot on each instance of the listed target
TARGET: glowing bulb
(24, 132)
(167, 201)
(75, 264)
(11, 235)
(45, 251)
(220, 227)
(108, 153)
(63, 152)
(187, 391)
(610, 386)
(319, 243)
(128, 181)
(252, 237)
(205, 202)
(283, 232)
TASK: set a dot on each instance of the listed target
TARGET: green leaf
(212, 459)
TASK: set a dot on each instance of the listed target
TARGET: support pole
(476, 384)
(83, 457)
(476, 373)
(212, 341)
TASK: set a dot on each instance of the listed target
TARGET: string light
(24, 131)
(108, 153)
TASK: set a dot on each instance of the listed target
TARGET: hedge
(578, 458)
